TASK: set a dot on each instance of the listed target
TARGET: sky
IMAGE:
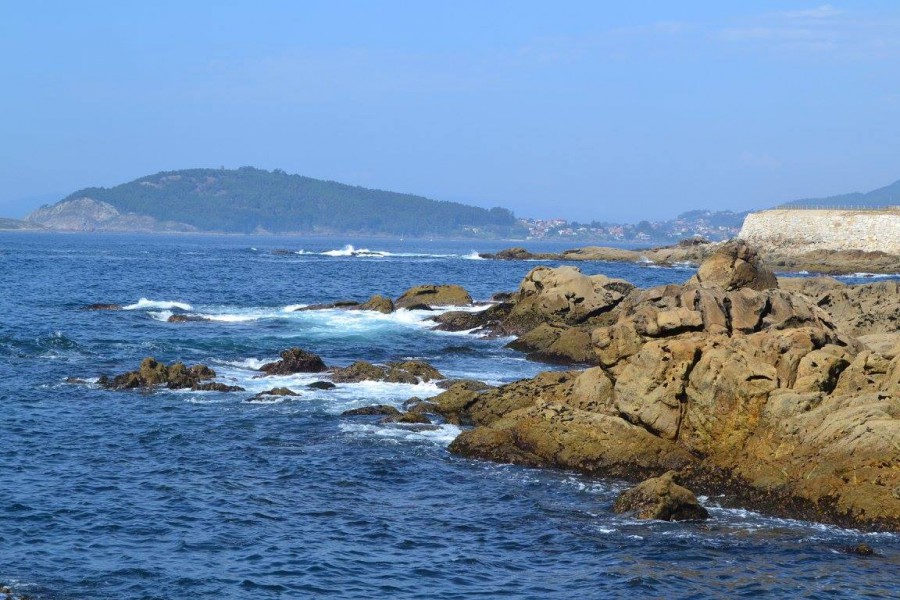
(610, 111)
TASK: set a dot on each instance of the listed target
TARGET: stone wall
(805, 230)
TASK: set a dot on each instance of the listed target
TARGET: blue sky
(583, 110)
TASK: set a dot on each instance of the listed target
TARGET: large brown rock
(857, 309)
(735, 265)
(410, 371)
(756, 394)
(661, 498)
(563, 295)
(295, 360)
(378, 303)
(434, 295)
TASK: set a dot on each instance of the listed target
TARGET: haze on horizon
(589, 110)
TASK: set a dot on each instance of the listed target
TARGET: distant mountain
(249, 200)
(886, 196)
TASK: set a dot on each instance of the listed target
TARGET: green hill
(250, 200)
(886, 196)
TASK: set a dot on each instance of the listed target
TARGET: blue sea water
(179, 494)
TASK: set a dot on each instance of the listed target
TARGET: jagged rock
(418, 306)
(376, 409)
(562, 295)
(753, 393)
(152, 373)
(102, 307)
(735, 265)
(321, 385)
(661, 498)
(857, 309)
(378, 303)
(295, 360)
(410, 371)
(434, 295)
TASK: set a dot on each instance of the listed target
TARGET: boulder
(295, 360)
(215, 386)
(661, 498)
(563, 295)
(376, 409)
(180, 318)
(735, 265)
(434, 295)
(378, 303)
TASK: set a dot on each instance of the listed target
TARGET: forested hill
(250, 200)
(886, 196)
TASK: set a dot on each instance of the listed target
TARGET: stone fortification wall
(805, 230)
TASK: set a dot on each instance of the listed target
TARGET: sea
(180, 494)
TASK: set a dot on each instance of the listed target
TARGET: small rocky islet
(782, 395)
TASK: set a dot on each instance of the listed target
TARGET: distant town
(711, 225)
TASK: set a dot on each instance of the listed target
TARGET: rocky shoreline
(778, 395)
(694, 251)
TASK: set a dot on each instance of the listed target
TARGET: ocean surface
(180, 494)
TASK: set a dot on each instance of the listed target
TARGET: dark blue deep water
(178, 494)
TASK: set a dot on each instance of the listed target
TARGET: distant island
(249, 200)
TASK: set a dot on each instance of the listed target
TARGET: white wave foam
(162, 315)
(144, 303)
(437, 434)
(867, 276)
(349, 250)
(247, 363)
(293, 307)
(473, 255)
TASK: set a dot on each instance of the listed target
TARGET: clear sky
(613, 111)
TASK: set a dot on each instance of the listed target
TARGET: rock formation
(174, 376)
(739, 386)
(434, 295)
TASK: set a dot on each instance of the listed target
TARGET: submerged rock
(215, 386)
(321, 385)
(179, 318)
(661, 498)
(346, 304)
(102, 307)
(434, 295)
(295, 360)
